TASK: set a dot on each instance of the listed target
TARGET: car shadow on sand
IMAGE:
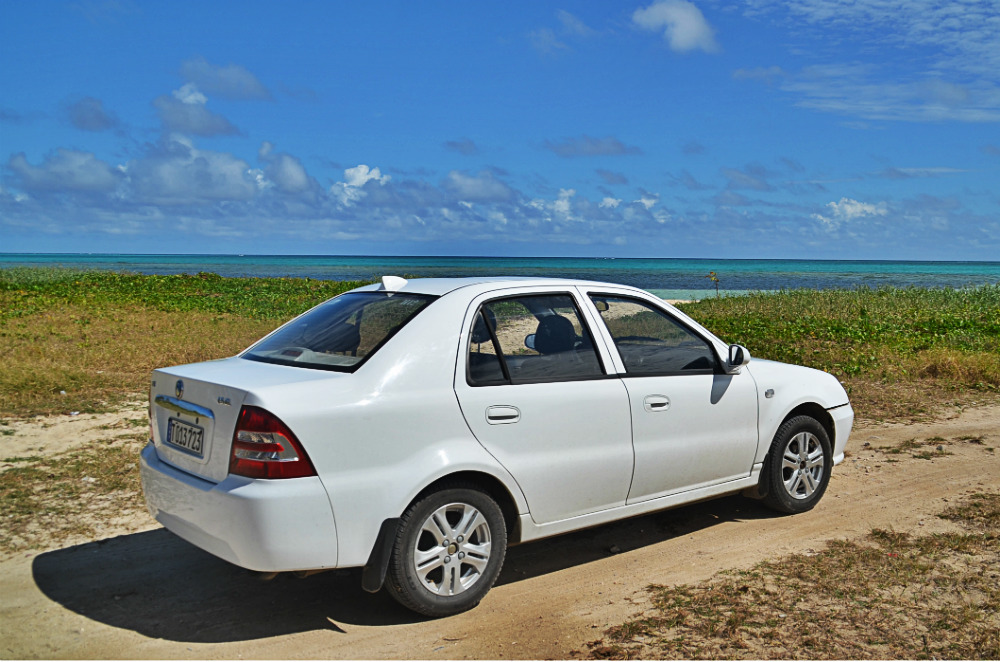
(159, 586)
(588, 545)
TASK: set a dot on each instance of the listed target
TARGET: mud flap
(375, 569)
(760, 490)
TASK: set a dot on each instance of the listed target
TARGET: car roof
(442, 286)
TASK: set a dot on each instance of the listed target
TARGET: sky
(813, 129)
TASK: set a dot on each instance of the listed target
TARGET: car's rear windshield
(340, 334)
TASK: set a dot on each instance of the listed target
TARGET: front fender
(782, 388)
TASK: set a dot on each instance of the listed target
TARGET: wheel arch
(813, 410)
(488, 484)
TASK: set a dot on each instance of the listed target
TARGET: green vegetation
(900, 352)
(26, 291)
(886, 333)
(889, 596)
(86, 341)
(72, 341)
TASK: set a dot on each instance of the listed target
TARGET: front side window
(530, 339)
(341, 333)
(650, 341)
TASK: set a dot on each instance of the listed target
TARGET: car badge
(179, 389)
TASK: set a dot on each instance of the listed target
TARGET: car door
(692, 425)
(534, 391)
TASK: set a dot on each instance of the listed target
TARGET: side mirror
(602, 305)
(529, 341)
(739, 356)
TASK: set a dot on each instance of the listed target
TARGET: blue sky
(725, 129)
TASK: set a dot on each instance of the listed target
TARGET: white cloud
(753, 177)
(955, 35)
(189, 94)
(859, 90)
(648, 200)
(920, 60)
(497, 217)
(683, 25)
(573, 25)
(562, 203)
(185, 113)
(262, 182)
(546, 42)
(360, 175)
(214, 198)
(231, 81)
(848, 210)
(284, 171)
(177, 173)
(65, 170)
(288, 173)
(351, 190)
(484, 187)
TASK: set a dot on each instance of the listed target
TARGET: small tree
(712, 276)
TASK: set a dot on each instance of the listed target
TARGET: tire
(798, 466)
(448, 552)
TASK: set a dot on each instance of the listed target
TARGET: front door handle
(502, 414)
(656, 403)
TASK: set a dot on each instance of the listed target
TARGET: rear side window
(530, 339)
(340, 334)
(650, 341)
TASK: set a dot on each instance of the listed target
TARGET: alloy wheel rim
(452, 550)
(802, 465)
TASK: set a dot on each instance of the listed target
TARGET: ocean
(677, 278)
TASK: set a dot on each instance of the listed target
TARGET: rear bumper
(266, 525)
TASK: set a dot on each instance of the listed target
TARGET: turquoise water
(669, 277)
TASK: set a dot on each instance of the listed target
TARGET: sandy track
(150, 595)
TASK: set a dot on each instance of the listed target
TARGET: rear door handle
(656, 403)
(502, 414)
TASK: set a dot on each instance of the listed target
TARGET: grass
(890, 595)
(86, 341)
(901, 352)
(919, 450)
(72, 341)
(77, 493)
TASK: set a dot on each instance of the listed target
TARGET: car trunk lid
(194, 409)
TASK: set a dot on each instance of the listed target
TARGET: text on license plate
(185, 436)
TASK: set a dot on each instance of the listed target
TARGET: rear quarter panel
(378, 437)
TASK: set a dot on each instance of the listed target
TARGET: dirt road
(150, 595)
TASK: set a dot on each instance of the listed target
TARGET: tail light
(264, 447)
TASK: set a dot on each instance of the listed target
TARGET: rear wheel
(798, 466)
(448, 552)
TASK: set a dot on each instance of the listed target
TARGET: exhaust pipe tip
(302, 574)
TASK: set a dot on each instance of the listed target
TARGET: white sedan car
(416, 428)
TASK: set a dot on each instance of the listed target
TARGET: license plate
(189, 438)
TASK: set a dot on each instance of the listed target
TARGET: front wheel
(798, 466)
(448, 552)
